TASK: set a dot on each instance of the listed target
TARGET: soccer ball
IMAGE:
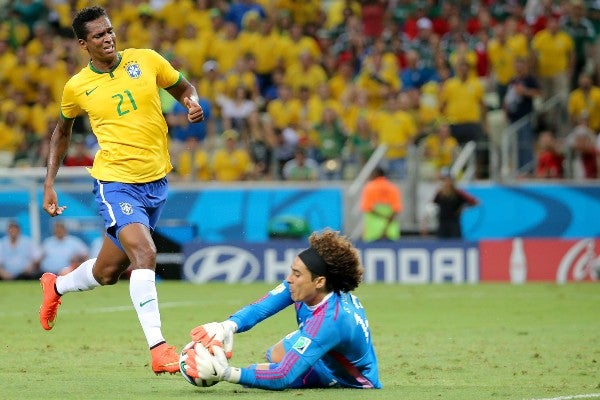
(182, 367)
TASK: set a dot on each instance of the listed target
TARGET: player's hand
(51, 203)
(195, 112)
(220, 333)
(201, 364)
(210, 364)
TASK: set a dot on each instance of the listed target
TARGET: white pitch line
(98, 310)
(575, 396)
(172, 304)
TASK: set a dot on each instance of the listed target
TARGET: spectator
(305, 71)
(378, 79)
(12, 135)
(239, 112)
(582, 143)
(239, 9)
(341, 81)
(421, 43)
(79, 155)
(462, 105)
(286, 141)
(502, 53)
(549, 159)
(181, 130)
(285, 110)
(301, 167)
(243, 75)
(60, 249)
(329, 138)
(582, 31)
(361, 143)
(450, 202)
(396, 129)
(266, 53)
(554, 52)
(260, 149)
(296, 43)
(440, 149)
(43, 110)
(193, 162)
(19, 255)
(318, 102)
(225, 48)
(518, 103)
(210, 86)
(191, 50)
(30, 12)
(231, 162)
(414, 75)
(381, 203)
(585, 100)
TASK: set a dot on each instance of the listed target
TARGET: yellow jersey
(231, 166)
(396, 130)
(440, 152)
(284, 114)
(124, 109)
(581, 103)
(553, 52)
(462, 100)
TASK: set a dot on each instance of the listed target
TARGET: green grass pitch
(486, 341)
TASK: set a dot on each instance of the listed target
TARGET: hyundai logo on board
(228, 263)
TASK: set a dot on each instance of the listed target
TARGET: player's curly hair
(84, 16)
(344, 271)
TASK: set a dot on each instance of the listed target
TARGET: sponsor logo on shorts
(301, 344)
(126, 208)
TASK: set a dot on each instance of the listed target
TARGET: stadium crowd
(305, 90)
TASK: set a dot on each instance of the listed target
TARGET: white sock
(142, 290)
(80, 279)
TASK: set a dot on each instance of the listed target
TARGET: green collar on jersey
(119, 58)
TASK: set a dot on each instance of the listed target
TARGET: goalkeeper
(332, 346)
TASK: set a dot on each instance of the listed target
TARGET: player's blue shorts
(318, 376)
(121, 204)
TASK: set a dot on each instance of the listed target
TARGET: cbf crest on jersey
(133, 69)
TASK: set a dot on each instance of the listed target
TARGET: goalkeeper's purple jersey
(333, 339)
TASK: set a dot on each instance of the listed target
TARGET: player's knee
(275, 353)
(143, 255)
(107, 278)
(108, 275)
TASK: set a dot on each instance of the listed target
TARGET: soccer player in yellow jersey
(119, 92)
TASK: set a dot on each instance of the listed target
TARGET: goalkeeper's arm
(268, 305)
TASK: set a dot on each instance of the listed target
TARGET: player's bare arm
(59, 145)
(186, 94)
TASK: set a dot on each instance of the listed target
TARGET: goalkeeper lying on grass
(332, 346)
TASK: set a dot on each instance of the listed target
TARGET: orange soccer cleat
(164, 359)
(50, 301)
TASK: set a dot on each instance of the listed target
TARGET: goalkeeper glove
(210, 364)
(219, 332)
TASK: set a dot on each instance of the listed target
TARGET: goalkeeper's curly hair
(344, 271)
